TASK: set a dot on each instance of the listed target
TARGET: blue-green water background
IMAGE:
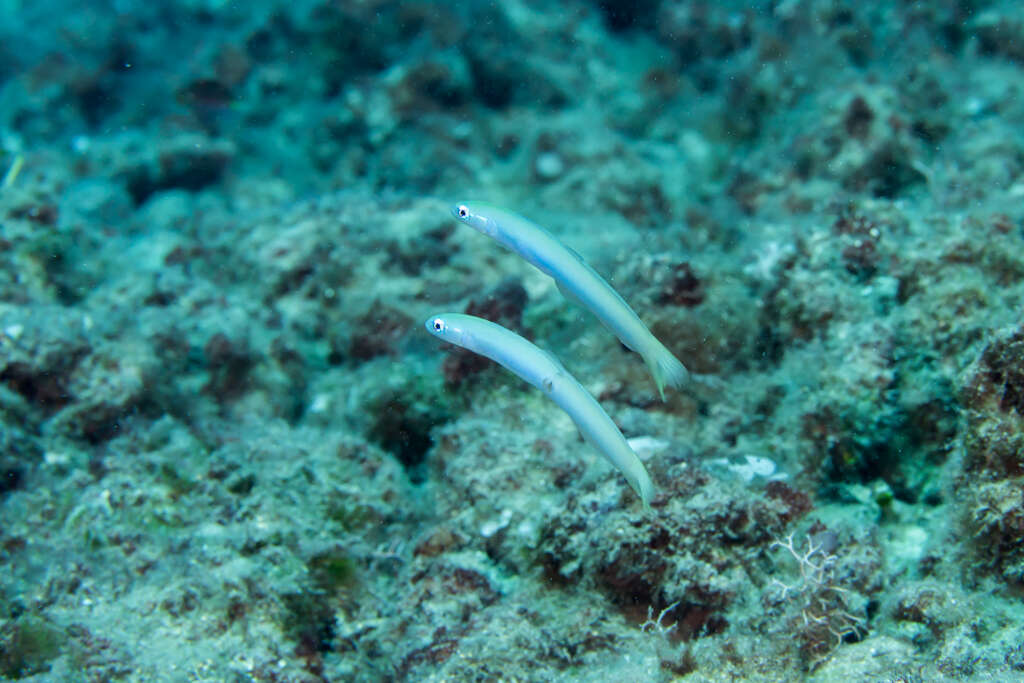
(230, 452)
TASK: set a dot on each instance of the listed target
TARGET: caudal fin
(644, 488)
(665, 368)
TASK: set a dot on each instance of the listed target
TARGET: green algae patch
(332, 571)
(28, 645)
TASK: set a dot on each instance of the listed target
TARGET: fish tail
(665, 368)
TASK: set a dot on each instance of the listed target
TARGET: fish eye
(463, 211)
(438, 324)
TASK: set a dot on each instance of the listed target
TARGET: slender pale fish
(578, 282)
(543, 371)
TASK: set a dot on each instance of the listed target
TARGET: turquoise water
(229, 451)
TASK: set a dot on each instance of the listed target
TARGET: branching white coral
(653, 625)
(827, 618)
